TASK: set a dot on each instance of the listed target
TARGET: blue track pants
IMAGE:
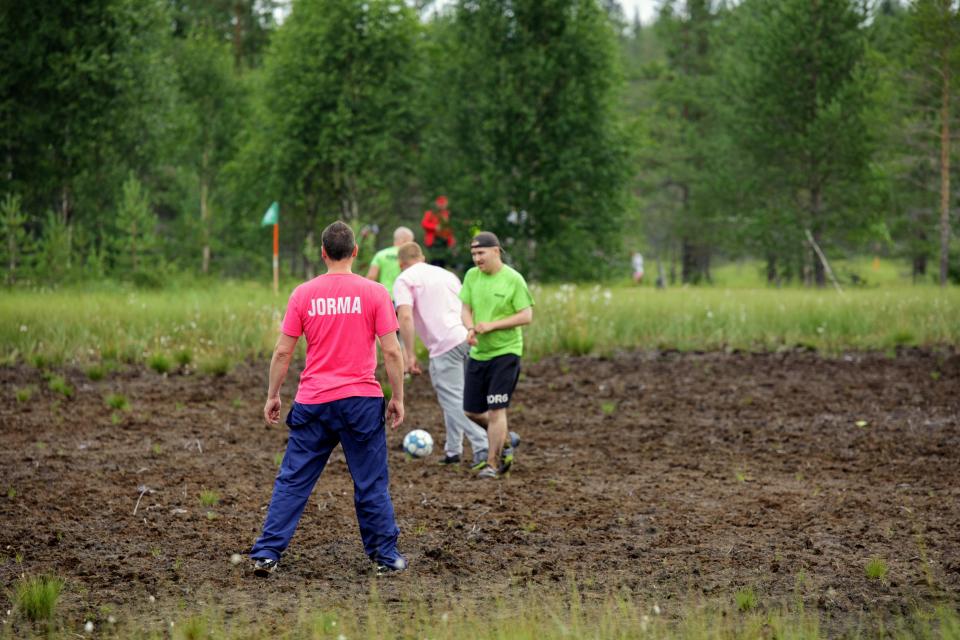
(315, 430)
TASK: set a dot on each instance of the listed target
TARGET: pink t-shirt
(434, 294)
(340, 314)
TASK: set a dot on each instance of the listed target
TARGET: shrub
(36, 597)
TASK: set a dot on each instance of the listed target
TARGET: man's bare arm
(393, 362)
(407, 335)
(519, 319)
(282, 355)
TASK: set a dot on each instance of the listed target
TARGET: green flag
(272, 216)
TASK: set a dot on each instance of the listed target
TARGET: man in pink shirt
(339, 401)
(427, 299)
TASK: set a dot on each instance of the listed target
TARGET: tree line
(144, 138)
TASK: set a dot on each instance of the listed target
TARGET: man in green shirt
(384, 268)
(496, 303)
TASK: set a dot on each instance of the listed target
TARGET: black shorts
(488, 384)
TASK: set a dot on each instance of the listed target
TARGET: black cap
(485, 239)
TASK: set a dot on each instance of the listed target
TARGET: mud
(674, 476)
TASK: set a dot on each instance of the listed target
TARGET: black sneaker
(387, 567)
(263, 567)
(450, 459)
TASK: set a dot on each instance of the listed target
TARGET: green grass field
(530, 616)
(213, 327)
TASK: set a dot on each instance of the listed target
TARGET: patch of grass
(11, 493)
(387, 391)
(96, 372)
(23, 394)
(609, 407)
(36, 597)
(209, 498)
(118, 401)
(218, 366)
(278, 459)
(116, 418)
(745, 599)
(156, 449)
(238, 320)
(237, 403)
(211, 515)
(159, 363)
(902, 338)
(876, 569)
(183, 357)
(58, 384)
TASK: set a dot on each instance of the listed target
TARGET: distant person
(427, 300)
(339, 401)
(384, 267)
(438, 238)
(496, 303)
(637, 261)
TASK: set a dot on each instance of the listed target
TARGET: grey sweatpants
(446, 373)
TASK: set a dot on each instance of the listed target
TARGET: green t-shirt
(494, 297)
(386, 259)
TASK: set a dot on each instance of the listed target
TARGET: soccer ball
(418, 443)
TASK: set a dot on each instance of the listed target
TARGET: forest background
(142, 140)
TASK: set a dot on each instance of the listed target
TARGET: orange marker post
(272, 217)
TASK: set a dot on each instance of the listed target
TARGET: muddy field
(675, 476)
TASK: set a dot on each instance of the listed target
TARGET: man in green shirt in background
(496, 303)
(384, 268)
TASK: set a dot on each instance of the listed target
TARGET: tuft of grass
(159, 363)
(387, 391)
(183, 357)
(209, 498)
(608, 407)
(36, 597)
(118, 401)
(156, 449)
(59, 385)
(11, 493)
(218, 366)
(23, 394)
(745, 599)
(876, 569)
(96, 372)
(278, 458)
(116, 418)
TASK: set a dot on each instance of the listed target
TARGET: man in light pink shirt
(427, 299)
(339, 401)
